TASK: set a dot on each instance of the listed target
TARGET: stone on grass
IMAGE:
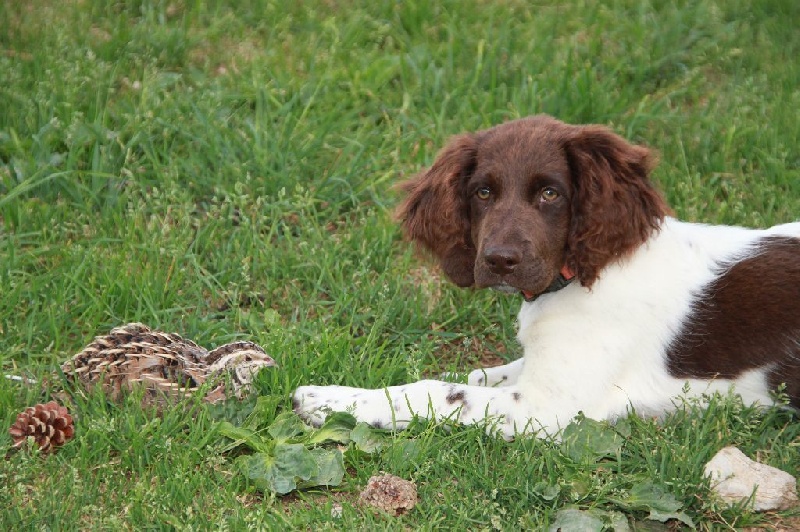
(735, 478)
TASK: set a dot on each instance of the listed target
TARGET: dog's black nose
(502, 260)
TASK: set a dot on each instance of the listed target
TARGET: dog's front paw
(314, 403)
(310, 404)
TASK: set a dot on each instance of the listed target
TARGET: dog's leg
(504, 408)
(497, 376)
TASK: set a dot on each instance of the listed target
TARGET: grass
(224, 170)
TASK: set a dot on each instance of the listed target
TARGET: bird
(166, 364)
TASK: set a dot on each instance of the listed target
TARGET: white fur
(599, 351)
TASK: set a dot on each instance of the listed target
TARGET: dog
(624, 307)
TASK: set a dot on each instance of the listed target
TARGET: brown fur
(606, 206)
(749, 317)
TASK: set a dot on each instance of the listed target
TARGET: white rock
(734, 478)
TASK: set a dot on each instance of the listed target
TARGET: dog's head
(512, 206)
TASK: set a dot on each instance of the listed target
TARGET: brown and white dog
(624, 307)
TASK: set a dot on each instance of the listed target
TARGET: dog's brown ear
(615, 208)
(435, 213)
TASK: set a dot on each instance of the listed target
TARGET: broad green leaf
(663, 517)
(296, 458)
(286, 426)
(546, 491)
(233, 409)
(279, 472)
(587, 440)
(649, 495)
(661, 504)
(618, 521)
(258, 469)
(366, 438)
(623, 427)
(330, 468)
(337, 429)
(241, 435)
(574, 520)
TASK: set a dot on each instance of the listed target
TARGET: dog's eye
(483, 193)
(550, 194)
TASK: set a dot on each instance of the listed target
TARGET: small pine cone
(48, 424)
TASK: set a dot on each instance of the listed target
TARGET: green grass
(224, 170)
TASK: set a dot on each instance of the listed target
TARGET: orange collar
(565, 277)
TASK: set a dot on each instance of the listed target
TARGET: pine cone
(48, 424)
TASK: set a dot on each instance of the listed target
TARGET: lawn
(225, 170)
